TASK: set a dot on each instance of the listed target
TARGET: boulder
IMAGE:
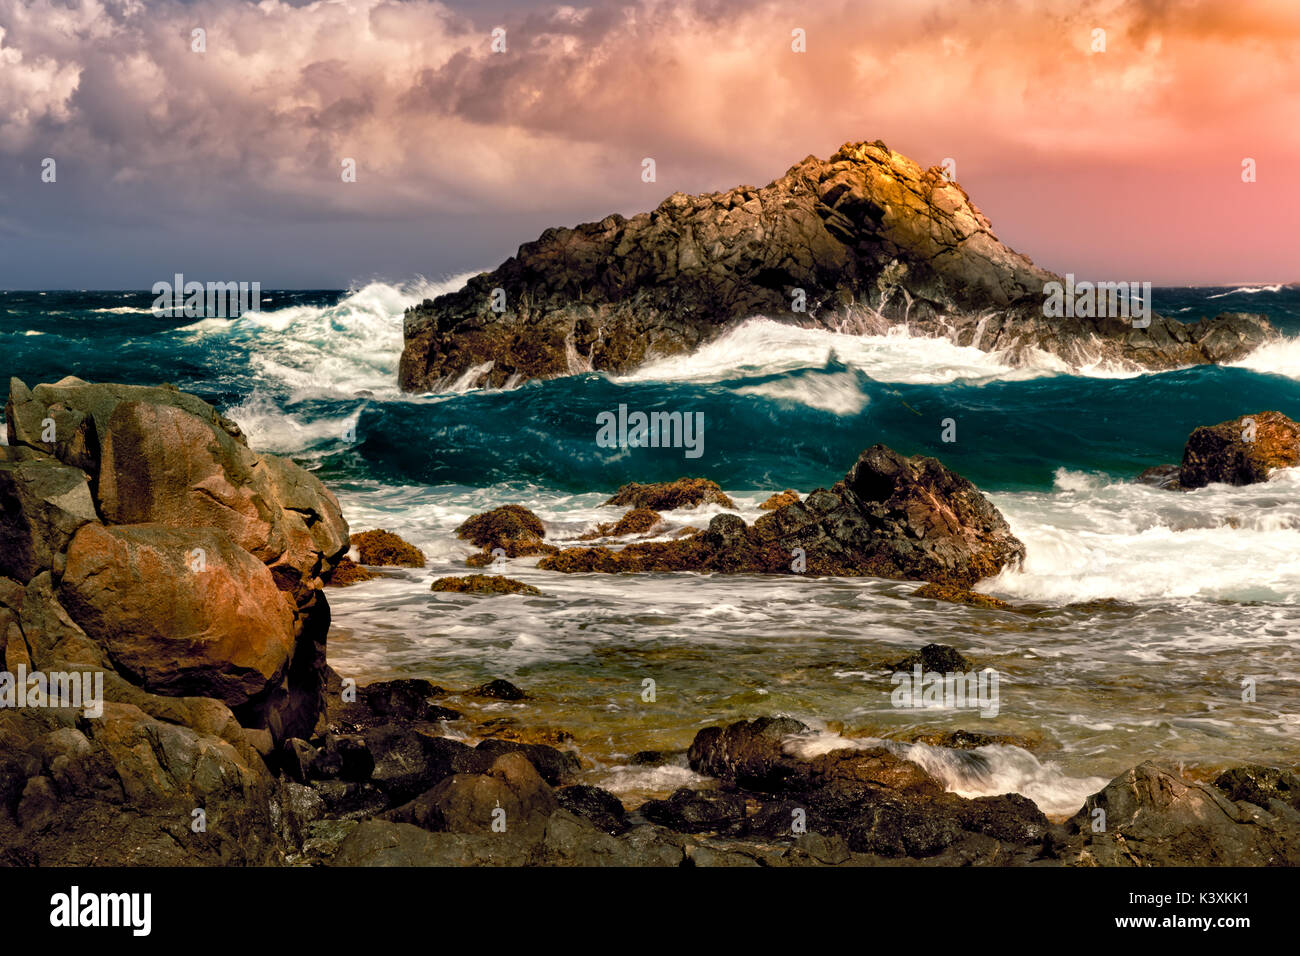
(670, 495)
(1240, 452)
(510, 796)
(383, 548)
(180, 611)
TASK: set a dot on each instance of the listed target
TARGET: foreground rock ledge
(871, 239)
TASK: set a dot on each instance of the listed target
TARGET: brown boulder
(510, 798)
(383, 548)
(180, 612)
(670, 495)
(1240, 452)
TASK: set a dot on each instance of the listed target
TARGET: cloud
(259, 123)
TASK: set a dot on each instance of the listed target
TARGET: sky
(1122, 163)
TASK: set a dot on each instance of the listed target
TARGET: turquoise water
(1139, 611)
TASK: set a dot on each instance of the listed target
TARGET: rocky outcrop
(891, 516)
(857, 243)
(1240, 452)
(155, 553)
(1150, 816)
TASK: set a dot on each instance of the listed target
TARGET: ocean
(1139, 612)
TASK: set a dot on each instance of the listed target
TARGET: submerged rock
(1240, 452)
(956, 595)
(860, 242)
(934, 657)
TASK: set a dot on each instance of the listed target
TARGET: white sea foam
(762, 347)
(1092, 538)
(981, 772)
(330, 351)
(1279, 357)
(1248, 290)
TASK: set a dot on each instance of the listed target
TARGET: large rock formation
(890, 516)
(857, 243)
(194, 564)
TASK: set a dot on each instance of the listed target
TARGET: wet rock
(649, 758)
(671, 495)
(1260, 786)
(1162, 476)
(509, 797)
(748, 753)
(511, 528)
(344, 756)
(483, 584)
(408, 762)
(956, 595)
(1240, 452)
(499, 689)
(599, 807)
(553, 765)
(636, 521)
(780, 500)
(891, 516)
(405, 699)
(972, 740)
(384, 549)
(1153, 817)
(697, 811)
(934, 657)
(868, 237)
(348, 572)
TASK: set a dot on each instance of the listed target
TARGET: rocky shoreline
(150, 547)
(862, 242)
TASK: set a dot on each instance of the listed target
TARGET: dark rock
(697, 811)
(649, 758)
(345, 756)
(405, 699)
(554, 765)
(891, 516)
(599, 807)
(748, 753)
(1153, 817)
(509, 797)
(1161, 476)
(862, 241)
(408, 762)
(1260, 786)
(499, 690)
(42, 504)
(1234, 453)
(939, 658)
